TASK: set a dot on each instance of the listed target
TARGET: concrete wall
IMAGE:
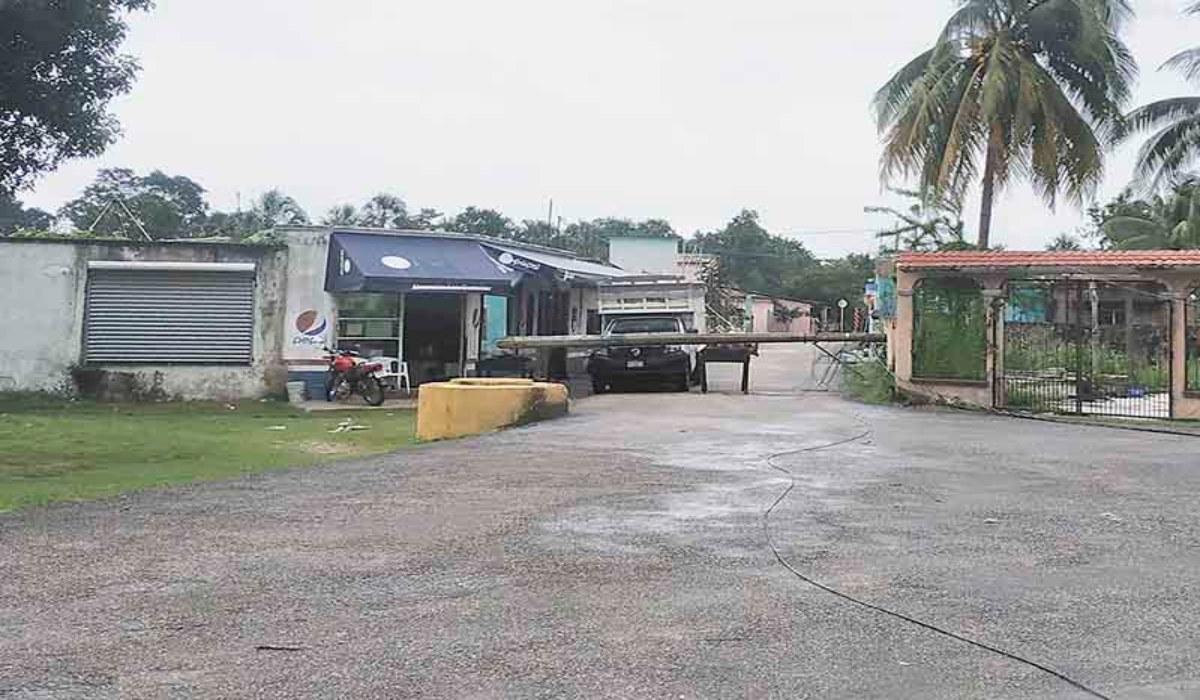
(648, 255)
(42, 294)
(40, 314)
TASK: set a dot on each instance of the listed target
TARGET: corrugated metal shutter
(169, 316)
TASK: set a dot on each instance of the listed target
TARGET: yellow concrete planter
(472, 406)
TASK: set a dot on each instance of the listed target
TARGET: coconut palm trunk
(987, 196)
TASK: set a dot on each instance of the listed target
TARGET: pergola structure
(1103, 332)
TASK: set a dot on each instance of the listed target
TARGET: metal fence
(1087, 347)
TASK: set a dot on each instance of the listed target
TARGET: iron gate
(1087, 347)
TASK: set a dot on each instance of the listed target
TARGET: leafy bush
(949, 341)
(869, 382)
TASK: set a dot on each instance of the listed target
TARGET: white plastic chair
(394, 372)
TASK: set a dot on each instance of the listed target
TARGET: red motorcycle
(349, 374)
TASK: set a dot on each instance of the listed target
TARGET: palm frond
(1186, 62)
(1157, 114)
(1131, 233)
(907, 142)
(896, 91)
(950, 161)
(1167, 153)
(973, 18)
(1066, 153)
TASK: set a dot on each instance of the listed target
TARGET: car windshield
(644, 325)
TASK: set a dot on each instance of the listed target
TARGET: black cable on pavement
(766, 519)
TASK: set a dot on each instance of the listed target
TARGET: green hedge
(949, 340)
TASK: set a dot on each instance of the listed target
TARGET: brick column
(1179, 299)
(994, 301)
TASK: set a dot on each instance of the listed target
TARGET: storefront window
(370, 323)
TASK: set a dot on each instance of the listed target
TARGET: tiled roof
(1058, 258)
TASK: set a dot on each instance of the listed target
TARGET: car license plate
(635, 364)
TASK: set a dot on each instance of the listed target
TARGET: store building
(437, 301)
(215, 320)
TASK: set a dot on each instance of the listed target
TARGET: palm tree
(1029, 86)
(1172, 223)
(923, 225)
(1065, 241)
(274, 208)
(384, 211)
(1173, 148)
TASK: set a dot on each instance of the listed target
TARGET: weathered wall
(972, 394)
(304, 334)
(761, 311)
(472, 406)
(644, 255)
(39, 315)
(799, 324)
(42, 292)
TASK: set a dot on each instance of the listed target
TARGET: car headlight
(602, 352)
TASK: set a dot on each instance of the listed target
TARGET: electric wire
(770, 461)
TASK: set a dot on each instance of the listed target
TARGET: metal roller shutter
(169, 316)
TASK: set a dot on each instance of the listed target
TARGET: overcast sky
(680, 109)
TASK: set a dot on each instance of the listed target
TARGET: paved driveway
(620, 553)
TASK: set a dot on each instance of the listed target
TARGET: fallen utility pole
(642, 340)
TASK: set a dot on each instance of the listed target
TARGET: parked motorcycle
(348, 374)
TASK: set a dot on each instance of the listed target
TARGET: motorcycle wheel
(338, 388)
(330, 385)
(371, 390)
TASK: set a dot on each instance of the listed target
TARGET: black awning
(366, 262)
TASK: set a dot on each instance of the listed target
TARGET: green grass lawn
(54, 450)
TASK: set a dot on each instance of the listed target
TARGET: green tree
(383, 211)
(842, 278)
(60, 70)
(121, 203)
(482, 222)
(536, 232)
(341, 215)
(14, 217)
(1065, 241)
(1171, 150)
(752, 259)
(272, 208)
(922, 226)
(426, 219)
(1028, 87)
(1168, 222)
(590, 238)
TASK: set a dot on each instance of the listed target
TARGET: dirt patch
(317, 447)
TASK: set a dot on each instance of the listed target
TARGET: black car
(628, 366)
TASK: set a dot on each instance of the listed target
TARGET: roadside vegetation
(869, 382)
(55, 450)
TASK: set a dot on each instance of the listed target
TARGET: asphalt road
(620, 553)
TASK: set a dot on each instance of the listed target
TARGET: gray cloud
(678, 109)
